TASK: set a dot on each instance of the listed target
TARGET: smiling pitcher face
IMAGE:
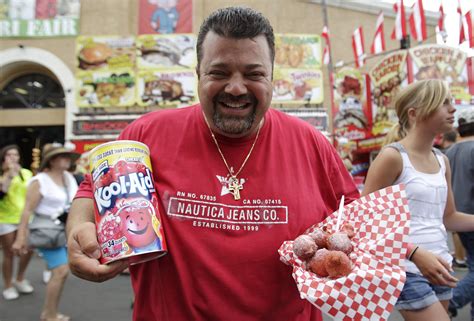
(235, 83)
(137, 226)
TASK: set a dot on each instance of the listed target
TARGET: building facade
(52, 62)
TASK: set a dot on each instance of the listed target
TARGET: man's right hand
(84, 254)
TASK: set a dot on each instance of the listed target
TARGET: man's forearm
(81, 211)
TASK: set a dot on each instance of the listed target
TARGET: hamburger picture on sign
(105, 53)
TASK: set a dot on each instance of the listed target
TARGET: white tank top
(427, 195)
(54, 198)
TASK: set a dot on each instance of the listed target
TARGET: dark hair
(3, 153)
(450, 136)
(466, 129)
(238, 23)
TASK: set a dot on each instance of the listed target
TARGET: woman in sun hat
(49, 194)
(13, 183)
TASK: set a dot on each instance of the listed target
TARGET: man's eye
(217, 74)
(255, 75)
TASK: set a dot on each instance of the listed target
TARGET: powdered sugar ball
(304, 247)
(339, 242)
(317, 263)
(320, 238)
(349, 229)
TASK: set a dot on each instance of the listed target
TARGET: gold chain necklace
(233, 185)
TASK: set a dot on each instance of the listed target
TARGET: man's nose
(236, 86)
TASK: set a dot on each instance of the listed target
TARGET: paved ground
(82, 300)
(87, 301)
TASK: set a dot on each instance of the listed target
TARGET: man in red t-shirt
(235, 180)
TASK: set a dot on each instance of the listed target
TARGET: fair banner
(165, 16)
(39, 18)
(298, 51)
(297, 86)
(388, 76)
(105, 88)
(105, 53)
(351, 117)
(166, 51)
(166, 88)
(442, 62)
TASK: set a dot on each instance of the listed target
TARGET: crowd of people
(233, 139)
(34, 202)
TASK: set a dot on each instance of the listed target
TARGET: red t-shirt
(223, 262)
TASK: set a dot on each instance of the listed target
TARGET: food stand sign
(297, 86)
(351, 117)
(100, 127)
(98, 53)
(105, 88)
(442, 62)
(166, 88)
(387, 76)
(166, 51)
(84, 146)
(298, 51)
(317, 118)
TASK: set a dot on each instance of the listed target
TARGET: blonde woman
(424, 110)
(13, 183)
(49, 194)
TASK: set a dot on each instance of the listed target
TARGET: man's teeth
(235, 105)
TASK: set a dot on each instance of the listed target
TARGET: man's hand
(84, 254)
(434, 268)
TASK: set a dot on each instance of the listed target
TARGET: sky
(452, 19)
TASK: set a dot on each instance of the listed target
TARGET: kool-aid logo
(133, 184)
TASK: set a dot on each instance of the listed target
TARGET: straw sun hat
(55, 149)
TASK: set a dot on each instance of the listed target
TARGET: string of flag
(417, 29)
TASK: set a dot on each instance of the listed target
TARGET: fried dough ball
(304, 247)
(320, 237)
(337, 264)
(348, 229)
(327, 228)
(339, 242)
(317, 264)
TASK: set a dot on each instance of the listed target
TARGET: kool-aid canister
(126, 205)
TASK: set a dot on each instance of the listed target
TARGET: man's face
(235, 83)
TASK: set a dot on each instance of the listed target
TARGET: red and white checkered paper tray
(369, 292)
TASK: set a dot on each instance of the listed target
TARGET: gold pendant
(234, 187)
